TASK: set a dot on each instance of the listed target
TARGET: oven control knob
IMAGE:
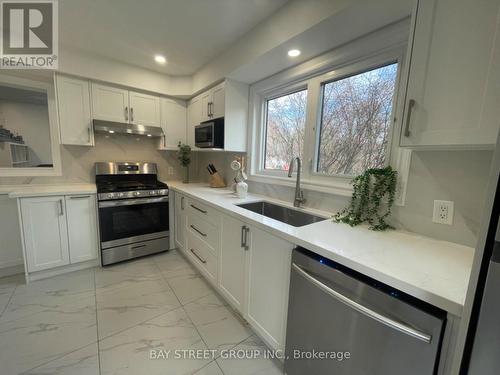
(120, 195)
(137, 193)
(152, 192)
(111, 195)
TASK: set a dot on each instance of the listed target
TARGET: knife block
(216, 181)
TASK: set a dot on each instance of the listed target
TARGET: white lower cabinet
(267, 275)
(45, 232)
(232, 262)
(180, 221)
(58, 231)
(254, 271)
(249, 266)
(82, 227)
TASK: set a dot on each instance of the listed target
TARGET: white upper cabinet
(229, 100)
(206, 101)
(194, 116)
(110, 103)
(82, 227)
(173, 123)
(213, 103)
(45, 232)
(75, 116)
(218, 105)
(453, 92)
(115, 104)
(144, 109)
(232, 261)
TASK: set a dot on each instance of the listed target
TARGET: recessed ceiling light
(293, 53)
(160, 59)
(111, 131)
(149, 135)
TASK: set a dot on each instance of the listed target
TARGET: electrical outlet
(443, 212)
(170, 171)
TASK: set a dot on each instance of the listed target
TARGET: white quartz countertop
(37, 190)
(434, 271)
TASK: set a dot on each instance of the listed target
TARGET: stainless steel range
(133, 211)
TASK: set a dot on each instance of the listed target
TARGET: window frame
(276, 86)
(340, 74)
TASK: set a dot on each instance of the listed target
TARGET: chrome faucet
(299, 194)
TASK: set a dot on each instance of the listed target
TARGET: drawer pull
(79, 196)
(199, 231)
(199, 258)
(199, 209)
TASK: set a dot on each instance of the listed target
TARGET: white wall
(32, 122)
(459, 176)
(120, 73)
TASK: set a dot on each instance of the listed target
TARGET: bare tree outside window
(286, 118)
(356, 121)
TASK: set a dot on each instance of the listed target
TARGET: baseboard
(62, 270)
(11, 270)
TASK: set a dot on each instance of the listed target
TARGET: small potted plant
(184, 157)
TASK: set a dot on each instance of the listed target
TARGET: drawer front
(202, 257)
(197, 208)
(204, 230)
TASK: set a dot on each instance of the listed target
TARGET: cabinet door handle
(244, 237)
(88, 134)
(411, 104)
(242, 242)
(131, 114)
(182, 203)
(199, 209)
(126, 113)
(199, 258)
(197, 230)
(61, 207)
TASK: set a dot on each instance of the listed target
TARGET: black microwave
(210, 134)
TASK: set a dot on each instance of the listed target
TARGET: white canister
(241, 189)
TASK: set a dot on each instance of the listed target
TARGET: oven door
(128, 221)
(204, 135)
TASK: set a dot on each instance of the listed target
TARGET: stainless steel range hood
(102, 126)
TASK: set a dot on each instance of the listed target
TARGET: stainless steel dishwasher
(344, 323)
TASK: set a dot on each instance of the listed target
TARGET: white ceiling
(189, 33)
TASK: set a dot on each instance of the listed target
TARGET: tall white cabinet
(454, 75)
(58, 231)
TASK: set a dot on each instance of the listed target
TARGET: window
(285, 127)
(340, 122)
(355, 122)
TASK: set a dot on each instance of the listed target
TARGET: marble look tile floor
(109, 320)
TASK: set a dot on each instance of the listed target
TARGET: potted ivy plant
(372, 199)
(184, 157)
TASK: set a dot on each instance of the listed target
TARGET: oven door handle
(131, 202)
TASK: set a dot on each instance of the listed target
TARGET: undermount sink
(281, 213)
